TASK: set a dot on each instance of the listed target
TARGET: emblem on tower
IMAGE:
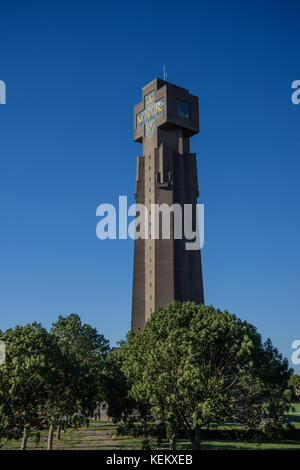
(150, 112)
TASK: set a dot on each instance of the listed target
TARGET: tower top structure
(165, 105)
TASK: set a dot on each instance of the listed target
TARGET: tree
(6, 413)
(64, 397)
(120, 405)
(87, 349)
(294, 385)
(134, 414)
(197, 367)
(53, 379)
(29, 378)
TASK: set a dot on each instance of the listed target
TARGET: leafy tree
(87, 350)
(120, 405)
(294, 385)
(7, 421)
(198, 367)
(29, 377)
(6, 415)
(133, 416)
(64, 399)
(51, 378)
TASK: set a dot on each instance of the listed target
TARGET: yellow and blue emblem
(151, 111)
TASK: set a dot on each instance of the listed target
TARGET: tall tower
(164, 270)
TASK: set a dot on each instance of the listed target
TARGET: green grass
(296, 407)
(294, 418)
(95, 421)
(230, 445)
(102, 438)
(184, 444)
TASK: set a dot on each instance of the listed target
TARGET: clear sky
(74, 71)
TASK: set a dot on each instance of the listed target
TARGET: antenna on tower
(165, 73)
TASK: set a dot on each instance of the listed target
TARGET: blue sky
(74, 71)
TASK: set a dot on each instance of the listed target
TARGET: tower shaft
(164, 270)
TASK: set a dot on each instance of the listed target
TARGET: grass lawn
(297, 408)
(96, 421)
(294, 415)
(101, 437)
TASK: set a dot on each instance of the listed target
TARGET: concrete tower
(164, 270)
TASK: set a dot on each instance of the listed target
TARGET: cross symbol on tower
(152, 109)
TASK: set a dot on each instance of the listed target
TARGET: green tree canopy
(54, 378)
(30, 377)
(294, 385)
(198, 366)
(83, 345)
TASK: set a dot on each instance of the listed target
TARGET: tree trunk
(58, 432)
(196, 439)
(173, 441)
(24, 438)
(50, 437)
